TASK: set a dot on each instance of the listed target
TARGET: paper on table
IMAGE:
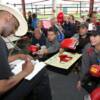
(38, 67)
(17, 68)
(11, 38)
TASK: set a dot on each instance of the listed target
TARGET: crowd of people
(85, 30)
(70, 27)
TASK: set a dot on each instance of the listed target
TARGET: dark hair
(29, 11)
(51, 30)
(91, 14)
(82, 16)
(34, 15)
(83, 25)
(88, 20)
(73, 18)
(94, 32)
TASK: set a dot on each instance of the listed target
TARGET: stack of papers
(9, 41)
(11, 38)
(16, 67)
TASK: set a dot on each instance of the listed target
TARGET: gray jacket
(90, 57)
(52, 46)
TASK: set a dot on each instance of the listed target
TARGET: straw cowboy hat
(22, 29)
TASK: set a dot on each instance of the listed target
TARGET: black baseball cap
(83, 25)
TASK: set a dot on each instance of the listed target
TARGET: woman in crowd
(69, 26)
(41, 28)
(38, 38)
(58, 29)
(93, 23)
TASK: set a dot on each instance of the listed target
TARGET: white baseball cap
(23, 28)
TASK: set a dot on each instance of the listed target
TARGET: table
(55, 60)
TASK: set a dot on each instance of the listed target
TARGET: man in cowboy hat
(15, 87)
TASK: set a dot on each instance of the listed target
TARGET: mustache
(6, 32)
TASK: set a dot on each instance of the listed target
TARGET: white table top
(55, 60)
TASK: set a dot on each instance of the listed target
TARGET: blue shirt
(34, 23)
(41, 41)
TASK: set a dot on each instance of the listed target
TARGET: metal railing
(79, 8)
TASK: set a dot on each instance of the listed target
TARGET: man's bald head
(9, 22)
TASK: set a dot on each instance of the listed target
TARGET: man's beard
(6, 31)
(4, 35)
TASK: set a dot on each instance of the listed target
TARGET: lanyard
(98, 61)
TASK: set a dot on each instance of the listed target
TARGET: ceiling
(49, 1)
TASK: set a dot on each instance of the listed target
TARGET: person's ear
(8, 18)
